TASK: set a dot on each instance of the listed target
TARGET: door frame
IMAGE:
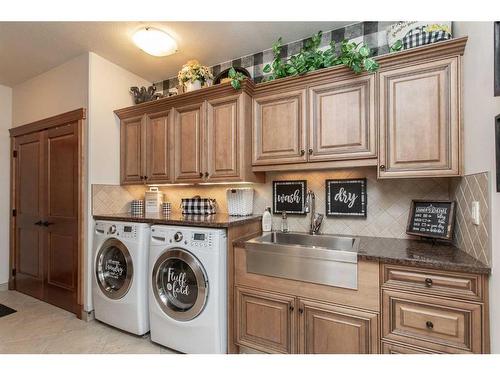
(76, 116)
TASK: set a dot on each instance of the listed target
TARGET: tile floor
(38, 327)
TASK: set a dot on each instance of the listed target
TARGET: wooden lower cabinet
(330, 329)
(265, 321)
(448, 326)
(272, 323)
(392, 348)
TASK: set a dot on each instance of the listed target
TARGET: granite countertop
(212, 221)
(412, 253)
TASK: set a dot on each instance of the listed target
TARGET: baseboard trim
(4, 287)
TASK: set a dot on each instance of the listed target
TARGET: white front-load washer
(120, 275)
(188, 288)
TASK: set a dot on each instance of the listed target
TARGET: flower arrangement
(193, 71)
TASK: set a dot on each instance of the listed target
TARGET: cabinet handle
(47, 223)
(301, 310)
(428, 282)
(310, 151)
(39, 222)
(302, 152)
(382, 167)
(145, 178)
(201, 174)
(429, 324)
(207, 174)
(291, 308)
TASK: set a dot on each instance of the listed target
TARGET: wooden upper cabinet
(189, 124)
(330, 329)
(342, 120)
(159, 155)
(224, 138)
(132, 150)
(279, 128)
(420, 120)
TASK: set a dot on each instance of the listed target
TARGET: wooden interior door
(132, 149)
(420, 120)
(279, 128)
(223, 138)
(265, 321)
(61, 216)
(342, 120)
(29, 205)
(189, 123)
(159, 146)
(329, 329)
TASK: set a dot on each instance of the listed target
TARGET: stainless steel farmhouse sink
(321, 259)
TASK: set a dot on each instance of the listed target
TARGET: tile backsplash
(474, 239)
(388, 201)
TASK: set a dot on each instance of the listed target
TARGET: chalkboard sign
(289, 197)
(346, 197)
(434, 219)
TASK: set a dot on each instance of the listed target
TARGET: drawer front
(452, 284)
(434, 323)
(391, 348)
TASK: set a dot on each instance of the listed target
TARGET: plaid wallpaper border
(373, 33)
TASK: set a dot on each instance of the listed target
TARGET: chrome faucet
(316, 219)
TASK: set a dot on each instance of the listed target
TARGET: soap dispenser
(267, 220)
(284, 222)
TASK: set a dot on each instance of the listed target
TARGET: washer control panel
(116, 230)
(201, 239)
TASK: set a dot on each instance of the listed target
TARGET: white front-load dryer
(120, 282)
(188, 292)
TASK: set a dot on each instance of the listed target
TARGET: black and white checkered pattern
(198, 206)
(417, 38)
(373, 33)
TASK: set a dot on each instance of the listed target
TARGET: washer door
(114, 269)
(180, 284)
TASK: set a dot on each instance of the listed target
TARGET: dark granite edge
(237, 220)
(477, 267)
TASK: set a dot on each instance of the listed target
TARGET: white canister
(153, 199)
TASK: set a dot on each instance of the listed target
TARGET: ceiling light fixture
(154, 41)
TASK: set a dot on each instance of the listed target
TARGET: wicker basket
(239, 201)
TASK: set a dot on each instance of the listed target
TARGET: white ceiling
(30, 48)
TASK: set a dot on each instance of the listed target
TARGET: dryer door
(180, 284)
(114, 269)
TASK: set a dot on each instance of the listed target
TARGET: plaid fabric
(198, 206)
(417, 38)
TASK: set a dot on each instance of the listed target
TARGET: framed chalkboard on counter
(432, 219)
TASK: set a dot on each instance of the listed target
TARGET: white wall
(61, 89)
(480, 109)
(5, 124)
(109, 86)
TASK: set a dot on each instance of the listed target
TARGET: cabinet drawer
(391, 348)
(430, 322)
(457, 285)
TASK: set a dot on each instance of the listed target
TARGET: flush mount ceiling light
(154, 41)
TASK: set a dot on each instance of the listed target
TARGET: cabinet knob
(291, 308)
(301, 310)
(428, 282)
(310, 151)
(39, 222)
(429, 324)
(207, 174)
(302, 152)
(201, 174)
(382, 167)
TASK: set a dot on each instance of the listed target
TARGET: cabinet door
(330, 329)
(391, 348)
(132, 150)
(265, 321)
(279, 128)
(342, 120)
(420, 120)
(224, 138)
(159, 147)
(189, 123)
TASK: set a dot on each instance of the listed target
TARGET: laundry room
(257, 184)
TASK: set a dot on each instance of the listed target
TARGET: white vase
(191, 86)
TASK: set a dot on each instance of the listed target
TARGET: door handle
(47, 223)
(39, 222)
